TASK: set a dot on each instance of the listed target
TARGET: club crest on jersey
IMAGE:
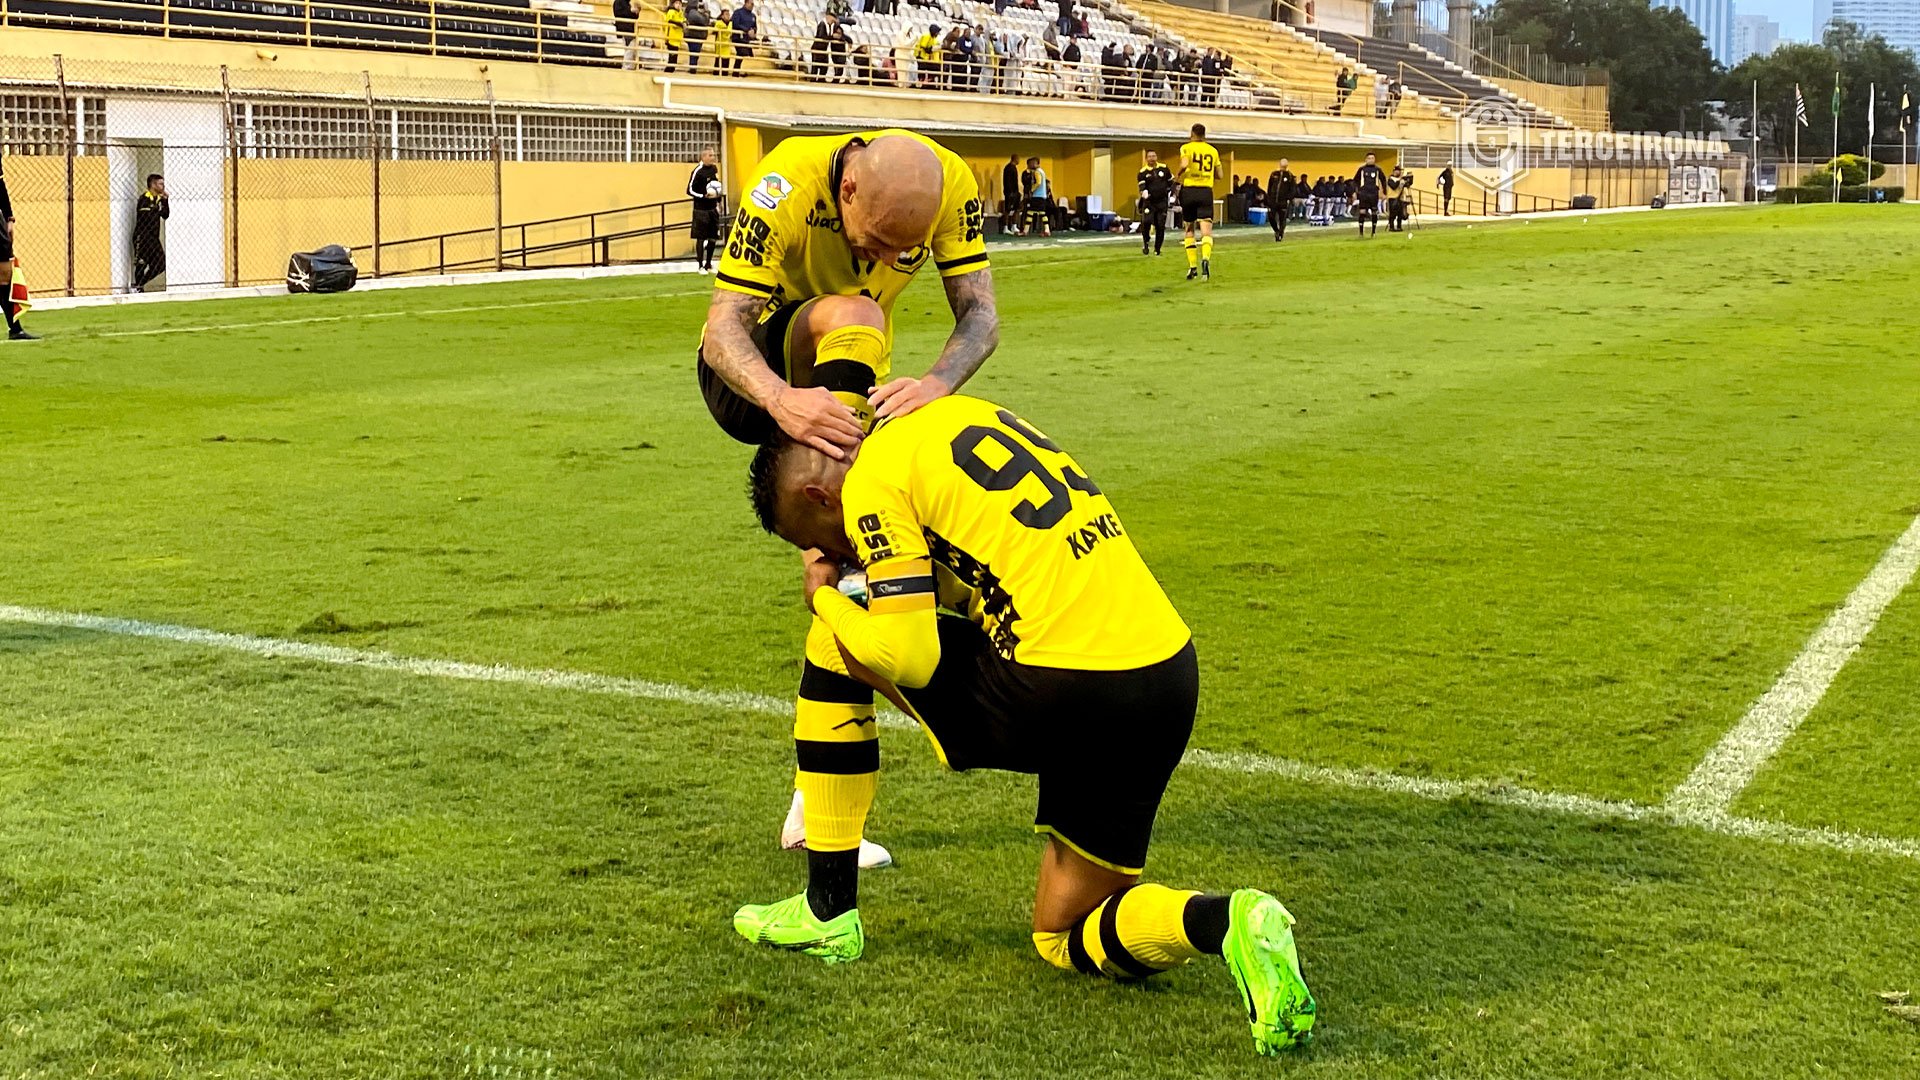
(771, 191)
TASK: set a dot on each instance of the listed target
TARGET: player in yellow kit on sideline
(1199, 166)
(1063, 659)
(799, 338)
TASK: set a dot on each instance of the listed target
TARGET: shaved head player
(799, 341)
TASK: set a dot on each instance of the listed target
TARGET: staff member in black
(1399, 190)
(1010, 195)
(1156, 197)
(149, 250)
(1279, 199)
(703, 188)
(1367, 184)
(1446, 191)
(15, 332)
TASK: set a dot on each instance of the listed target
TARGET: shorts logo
(771, 191)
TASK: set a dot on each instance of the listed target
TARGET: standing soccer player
(1038, 198)
(799, 341)
(703, 187)
(1367, 184)
(1156, 194)
(1199, 165)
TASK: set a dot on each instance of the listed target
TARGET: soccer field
(1489, 538)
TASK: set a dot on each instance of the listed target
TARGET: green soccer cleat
(1259, 951)
(790, 924)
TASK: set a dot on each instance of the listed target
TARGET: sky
(1796, 17)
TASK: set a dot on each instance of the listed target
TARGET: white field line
(408, 313)
(1243, 763)
(1733, 762)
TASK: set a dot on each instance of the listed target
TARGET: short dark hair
(1369, 153)
(151, 177)
(763, 486)
(1199, 131)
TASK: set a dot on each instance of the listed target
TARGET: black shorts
(1196, 204)
(749, 423)
(1043, 207)
(6, 246)
(706, 224)
(1367, 200)
(1103, 743)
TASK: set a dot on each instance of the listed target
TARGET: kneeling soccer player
(1069, 663)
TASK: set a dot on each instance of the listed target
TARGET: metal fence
(254, 170)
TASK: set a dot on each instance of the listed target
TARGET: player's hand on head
(902, 396)
(812, 415)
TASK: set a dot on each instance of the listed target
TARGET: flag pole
(1833, 163)
(1756, 140)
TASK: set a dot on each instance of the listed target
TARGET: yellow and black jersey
(676, 28)
(787, 244)
(1019, 538)
(1199, 164)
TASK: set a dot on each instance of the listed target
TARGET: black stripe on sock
(1110, 938)
(838, 758)
(832, 688)
(1077, 951)
(846, 376)
(1205, 921)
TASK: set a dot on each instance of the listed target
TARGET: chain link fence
(414, 175)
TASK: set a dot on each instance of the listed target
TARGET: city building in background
(1896, 20)
(1715, 20)
(1753, 35)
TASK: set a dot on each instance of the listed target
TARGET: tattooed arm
(810, 415)
(976, 332)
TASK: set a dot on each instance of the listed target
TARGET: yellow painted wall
(38, 187)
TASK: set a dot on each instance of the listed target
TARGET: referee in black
(15, 332)
(701, 188)
(1367, 184)
(1156, 196)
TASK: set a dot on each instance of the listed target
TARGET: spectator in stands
(1343, 85)
(821, 46)
(723, 42)
(1075, 76)
(1109, 59)
(149, 250)
(746, 27)
(952, 67)
(1379, 97)
(1053, 56)
(623, 16)
(8, 307)
(839, 50)
(1148, 69)
(1065, 22)
(675, 31)
(970, 48)
(841, 10)
(1010, 195)
(1394, 91)
(1081, 27)
(1210, 78)
(1446, 191)
(926, 58)
(699, 22)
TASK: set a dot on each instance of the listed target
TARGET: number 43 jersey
(1022, 541)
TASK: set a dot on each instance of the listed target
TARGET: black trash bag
(327, 270)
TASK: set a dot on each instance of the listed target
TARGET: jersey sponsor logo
(973, 219)
(821, 218)
(873, 533)
(748, 241)
(771, 191)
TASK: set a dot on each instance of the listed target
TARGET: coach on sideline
(15, 332)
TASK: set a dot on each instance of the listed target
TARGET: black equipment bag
(327, 270)
(1583, 202)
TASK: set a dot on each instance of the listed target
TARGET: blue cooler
(1256, 215)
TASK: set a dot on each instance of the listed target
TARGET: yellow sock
(1136, 932)
(1193, 255)
(850, 361)
(837, 745)
(1206, 249)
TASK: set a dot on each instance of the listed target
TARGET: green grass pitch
(1548, 504)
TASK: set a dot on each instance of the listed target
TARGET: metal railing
(605, 241)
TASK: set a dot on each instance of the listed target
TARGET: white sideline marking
(1244, 763)
(1734, 761)
(408, 313)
